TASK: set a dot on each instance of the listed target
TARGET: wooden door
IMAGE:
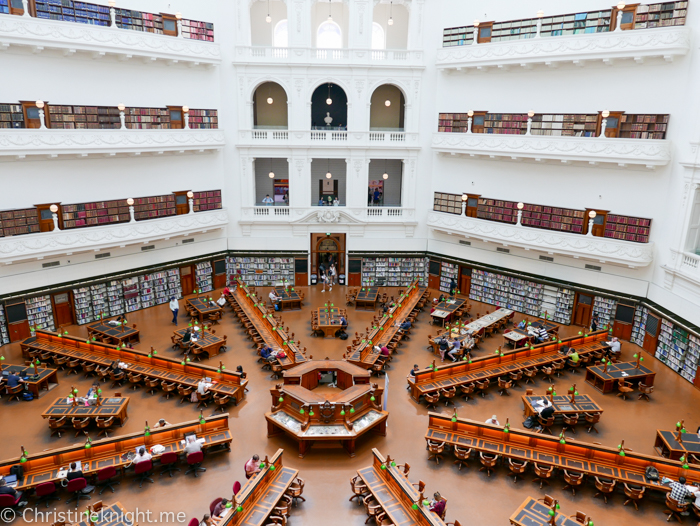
(629, 13)
(472, 205)
(177, 121)
(63, 309)
(219, 273)
(301, 271)
(478, 123)
(31, 114)
(186, 280)
(18, 331)
(169, 25)
(17, 7)
(623, 320)
(651, 334)
(583, 307)
(325, 246)
(46, 217)
(485, 32)
(434, 275)
(598, 221)
(613, 123)
(181, 204)
(464, 283)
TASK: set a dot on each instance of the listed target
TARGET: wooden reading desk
(447, 308)
(343, 414)
(494, 366)
(534, 512)
(203, 307)
(267, 327)
(364, 354)
(668, 446)
(260, 494)
(226, 382)
(606, 381)
(111, 515)
(366, 299)
(546, 450)
(115, 407)
(480, 325)
(208, 343)
(562, 405)
(329, 320)
(396, 495)
(46, 466)
(289, 298)
(35, 378)
(112, 334)
(550, 326)
(516, 337)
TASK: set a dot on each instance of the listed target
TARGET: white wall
(396, 35)
(261, 32)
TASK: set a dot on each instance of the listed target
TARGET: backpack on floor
(27, 396)
(344, 336)
(277, 306)
(530, 422)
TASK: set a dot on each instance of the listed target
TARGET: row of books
(40, 312)
(204, 278)
(4, 335)
(261, 271)
(393, 272)
(605, 308)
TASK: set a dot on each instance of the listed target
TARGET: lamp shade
(470, 113)
(271, 175)
(385, 176)
(121, 106)
(521, 206)
(540, 13)
(329, 101)
(190, 194)
(268, 19)
(391, 21)
(270, 100)
(465, 197)
(40, 104)
(531, 113)
(53, 209)
(606, 114)
(476, 23)
(592, 214)
(178, 15)
(621, 5)
(130, 202)
(328, 175)
(387, 103)
(186, 109)
(112, 3)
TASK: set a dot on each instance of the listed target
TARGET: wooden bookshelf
(198, 30)
(660, 15)
(84, 117)
(643, 126)
(11, 115)
(147, 118)
(18, 222)
(95, 214)
(139, 21)
(204, 119)
(627, 228)
(448, 203)
(553, 218)
(565, 124)
(210, 200)
(69, 11)
(153, 207)
(506, 123)
(495, 210)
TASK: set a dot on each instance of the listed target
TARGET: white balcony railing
(648, 153)
(684, 264)
(18, 144)
(99, 41)
(48, 244)
(637, 45)
(248, 138)
(600, 249)
(320, 56)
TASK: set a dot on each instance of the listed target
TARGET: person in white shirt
(274, 298)
(336, 202)
(142, 455)
(268, 200)
(192, 446)
(174, 306)
(202, 387)
(539, 407)
(493, 420)
(614, 346)
(332, 274)
(161, 423)
(221, 301)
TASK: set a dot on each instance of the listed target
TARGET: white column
(300, 182)
(360, 24)
(415, 17)
(122, 119)
(357, 175)
(299, 23)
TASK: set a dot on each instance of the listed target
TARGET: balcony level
(637, 46)
(330, 138)
(42, 245)
(598, 249)
(311, 56)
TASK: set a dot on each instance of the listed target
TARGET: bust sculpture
(328, 119)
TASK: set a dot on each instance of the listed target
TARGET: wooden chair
(624, 389)
(546, 423)
(462, 455)
(202, 399)
(15, 393)
(359, 489)
(73, 366)
(168, 389)
(573, 366)
(547, 372)
(60, 362)
(89, 369)
(482, 387)
(516, 468)
(573, 480)
(634, 494)
(644, 391)
(431, 399)
(543, 474)
(488, 462)
(372, 507)
(591, 420)
(152, 384)
(570, 422)
(503, 386)
(435, 450)
(104, 424)
(558, 367)
(276, 369)
(80, 425)
(221, 402)
(674, 508)
(448, 394)
(605, 487)
(58, 425)
(515, 377)
(185, 393)
(117, 378)
(136, 380)
(296, 489)
(467, 390)
(381, 519)
(581, 518)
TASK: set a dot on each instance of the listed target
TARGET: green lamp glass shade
(239, 509)
(352, 409)
(454, 419)
(280, 399)
(372, 398)
(551, 513)
(414, 506)
(301, 411)
(342, 412)
(272, 467)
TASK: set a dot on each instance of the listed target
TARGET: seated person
(142, 455)
(468, 343)
(203, 387)
(405, 325)
(187, 337)
(438, 505)
(266, 354)
(546, 409)
(343, 323)
(443, 348)
(573, 356)
(615, 347)
(74, 472)
(441, 298)
(161, 423)
(541, 335)
(522, 324)
(456, 347)
(252, 466)
(274, 298)
(412, 374)
(493, 420)
(220, 508)
(226, 291)
(7, 490)
(14, 380)
(385, 351)
(679, 491)
(192, 446)
(221, 301)
(93, 391)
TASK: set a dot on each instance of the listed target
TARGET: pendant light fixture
(330, 16)
(271, 175)
(385, 175)
(328, 168)
(387, 103)
(268, 18)
(391, 9)
(270, 100)
(329, 101)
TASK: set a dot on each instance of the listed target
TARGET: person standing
(332, 273)
(453, 287)
(267, 201)
(376, 196)
(174, 307)
(594, 322)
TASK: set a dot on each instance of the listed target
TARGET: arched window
(280, 37)
(329, 36)
(378, 39)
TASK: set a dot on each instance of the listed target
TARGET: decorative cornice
(667, 42)
(21, 143)
(311, 56)
(594, 150)
(49, 244)
(42, 34)
(602, 249)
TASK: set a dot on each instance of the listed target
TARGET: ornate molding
(310, 56)
(50, 244)
(18, 144)
(600, 249)
(99, 40)
(667, 42)
(594, 150)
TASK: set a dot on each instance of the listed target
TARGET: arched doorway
(325, 249)
(270, 107)
(387, 107)
(329, 100)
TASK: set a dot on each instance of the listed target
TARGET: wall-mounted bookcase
(69, 11)
(18, 222)
(5, 7)
(130, 291)
(204, 119)
(549, 301)
(100, 303)
(448, 203)
(147, 118)
(448, 272)
(115, 298)
(496, 210)
(628, 228)
(84, 117)
(660, 15)
(453, 122)
(93, 214)
(174, 286)
(643, 126)
(639, 325)
(605, 309)
(506, 123)
(138, 21)
(210, 200)
(552, 218)
(40, 312)
(158, 287)
(505, 291)
(692, 358)
(565, 306)
(198, 30)
(4, 336)
(153, 207)
(82, 300)
(672, 345)
(565, 125)
(11, 115)
(261, 271)
(204, 276)
(394, 272)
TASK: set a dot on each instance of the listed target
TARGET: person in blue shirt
(14, 380)
(321, 202)
(405, 326)
(266, 353)
(522, 324)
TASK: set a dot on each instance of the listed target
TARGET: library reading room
(349, 262)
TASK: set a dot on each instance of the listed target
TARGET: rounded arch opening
(387, 109)
(270, 107)
(329, 35)
(329, 108)
(262, 32)
(280, 35)
(378, 36)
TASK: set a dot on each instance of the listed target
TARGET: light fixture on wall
(330, 16)
(520, 207)
(391, 9)
(387, 103)
(329, 101)
(268, 18)
(271, 175)
(328, 168)
(54, 216)
(591, 216)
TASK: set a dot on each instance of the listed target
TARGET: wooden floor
(473, 498)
